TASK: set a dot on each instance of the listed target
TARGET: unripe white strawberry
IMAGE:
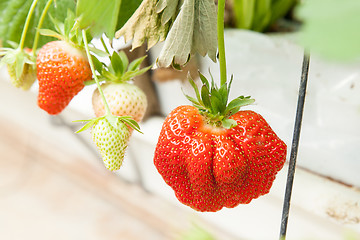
(124, 99)
(111, 140)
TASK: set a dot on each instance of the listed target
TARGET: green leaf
(98, 16)
(168, 8)
(127, 9)
(13, 14)
(330, 28)
(192, 32)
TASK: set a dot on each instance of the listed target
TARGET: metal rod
(295, 145)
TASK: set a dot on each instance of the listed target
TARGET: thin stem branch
(41, 21)
(26, 25)
(104, 45)
(107, 109)
(221, 42)
(294, 146)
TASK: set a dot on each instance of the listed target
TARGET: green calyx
(112, 120)
(119, 70)
(212, 102)
(66, 30)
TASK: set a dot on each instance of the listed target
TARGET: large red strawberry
(214, 155)
(61, 71)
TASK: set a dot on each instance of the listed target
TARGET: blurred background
(53, 184)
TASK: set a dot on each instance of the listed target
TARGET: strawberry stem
(107, 109)
(221, 42)
(41, 21)
(26, 25)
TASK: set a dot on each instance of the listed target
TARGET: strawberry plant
(213, 154)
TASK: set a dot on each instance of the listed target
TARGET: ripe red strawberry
(211, 165)
(124, 99)
(61, 72)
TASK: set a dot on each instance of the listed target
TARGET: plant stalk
(26, 25)
(41, 21)
(107, 109)
(221, 41)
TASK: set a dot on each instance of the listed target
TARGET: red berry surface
(61, 72)
(212, 167)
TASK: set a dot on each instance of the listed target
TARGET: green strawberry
(111, 140)
(20, 65)
(111, 135)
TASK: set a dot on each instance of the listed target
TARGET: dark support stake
(294, 146)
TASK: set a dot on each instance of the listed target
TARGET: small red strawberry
(214, 155)
(124, 99)
(62, 70)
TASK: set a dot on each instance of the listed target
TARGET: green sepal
(212, 101)
(120, 70)
(134, 65)
(88, 125)
(50, 33)
(131, 122)
(124, 60)
(193, 84)
(97, 64)
(205, 96)
(117, 66)
(237, 103)
(228, 123)
(131, 74)
(204, 80)
(98, 52)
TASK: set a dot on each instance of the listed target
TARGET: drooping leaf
(144, 26)
(192, 32)
(127, 9)
(168, 8)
